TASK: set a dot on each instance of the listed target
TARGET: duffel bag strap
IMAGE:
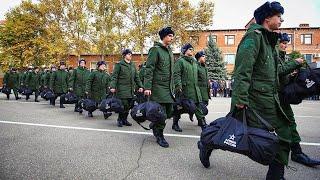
(264, 122)
(145, 128)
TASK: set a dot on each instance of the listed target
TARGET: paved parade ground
(38, 141)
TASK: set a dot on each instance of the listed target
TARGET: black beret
(266, 10)
(185, 48)
(165, 31)
(83, 61)
(99, 63)
(126, 51)
(200, 54)
(284, 37)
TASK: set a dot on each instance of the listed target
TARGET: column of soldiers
(162, 79)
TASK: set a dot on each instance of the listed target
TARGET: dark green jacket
(78, 81)
(33, 80)
(11, 79)
(159, 74)
(124, 79)
(142, 72)
(256, 81)
(186, 78)
(59, 81)
(97, 85)
(203, 82)
(284, 70)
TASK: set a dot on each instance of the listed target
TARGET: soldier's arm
(114, 76)
(51, 82)
(6, 79)
(137, 78)
(72, 79)
(245, 59)
(150, 66)
(89, 82)
(177, 75)
(108, 79)
(287, 67)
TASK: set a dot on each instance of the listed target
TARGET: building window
(229, 39)
(291, 39)
(229, 58)
(194, 40)
(308, 58)
(214, 37)
(93, 65)
(306, 38)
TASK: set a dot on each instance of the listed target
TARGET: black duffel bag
(6, 90)
(184, 105)
(111, 104)
(305, 84)
(47, 94)
(150, 110)
(88, 105)
(230, 134)
(27, 91)
(69, 98)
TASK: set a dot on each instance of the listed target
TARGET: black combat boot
(175, 124)
(160, 138)
(202, 123)
(204, 154)
(106, 115)
(119, 122)
(8, 96)
(125, 122)
(298, 156)
(276, 171)
(36, 99)
(90, 114)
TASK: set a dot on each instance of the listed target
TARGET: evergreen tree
(215, 63)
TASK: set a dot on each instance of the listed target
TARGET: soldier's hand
(113, 90)
(240, 106)
(140, 90)
(70, 89)
(86, 93)
(299, 60)
(147, 92)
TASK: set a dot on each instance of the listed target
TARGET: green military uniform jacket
(203, 82)
(159, 74)
(186, 78)
(124, 79)
(256, 83)
(78, 81)
(97, 85)
(59, 81)
(33, 80)
(11, 80)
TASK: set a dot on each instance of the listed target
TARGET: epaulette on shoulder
(257, 31)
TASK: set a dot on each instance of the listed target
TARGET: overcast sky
(230, 14)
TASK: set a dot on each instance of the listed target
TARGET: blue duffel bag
(230, 134)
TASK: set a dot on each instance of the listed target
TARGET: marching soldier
(286, 67)
(256, 84)
(33, 82)
(186, 84)
(158, 82)
(203, 80)
(124, 79)
(11, 80)
(97, 85)
(59, 84)
(77, 82)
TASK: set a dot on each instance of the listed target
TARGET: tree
(215, 62)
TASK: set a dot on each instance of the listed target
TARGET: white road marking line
(119, 131)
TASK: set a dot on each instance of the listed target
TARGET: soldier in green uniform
(124, 79)
(159, 82)
(25, 75)
(11, 80)
(97, 85)
(59, 84)
(285, 67)
(77, 82)
(186, 84)
(203, 80)
(256, 84)
(33, 82)
(70, 71)
(142, 71)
